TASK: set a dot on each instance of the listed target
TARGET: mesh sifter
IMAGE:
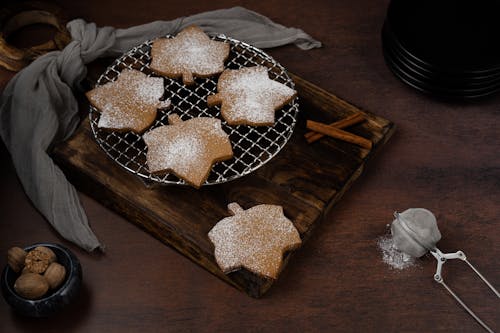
(415, 233)
(252, 146)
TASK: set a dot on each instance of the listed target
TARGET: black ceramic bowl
(55, 300)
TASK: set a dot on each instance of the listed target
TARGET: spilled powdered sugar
(392, 256)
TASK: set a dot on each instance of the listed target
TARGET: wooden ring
(23, 14)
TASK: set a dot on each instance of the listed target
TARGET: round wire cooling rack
(252, 146)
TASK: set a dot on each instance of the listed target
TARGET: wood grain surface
(306, 180)
(444, 157)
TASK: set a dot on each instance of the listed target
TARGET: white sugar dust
(392, 256)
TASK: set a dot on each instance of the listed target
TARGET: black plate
(430, 85)
(437, 90)
(439, 79)
(481, 77)
(459, 36)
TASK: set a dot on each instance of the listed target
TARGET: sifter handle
(441, 259)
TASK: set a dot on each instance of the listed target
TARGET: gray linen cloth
(38, 107)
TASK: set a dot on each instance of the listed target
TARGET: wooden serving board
(305, 179)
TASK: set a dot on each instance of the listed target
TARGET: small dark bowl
(55, 300)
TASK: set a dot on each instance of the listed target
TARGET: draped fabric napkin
(38, 107)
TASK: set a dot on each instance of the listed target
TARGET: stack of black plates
(449, 48)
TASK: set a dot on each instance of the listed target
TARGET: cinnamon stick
(346, 122)
(338, 134)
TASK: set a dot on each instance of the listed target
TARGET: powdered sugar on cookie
(255, 238)
(130, 102)
(190, 54)
(247, 96)
(188, 149)
(182, 154)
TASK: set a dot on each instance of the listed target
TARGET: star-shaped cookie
(130, 102)
(187, 148)
(190, 54)
(249, 97)
(255, 239)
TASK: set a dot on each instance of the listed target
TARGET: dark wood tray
(305, 179)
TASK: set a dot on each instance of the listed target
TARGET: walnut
(31, 285)
(51, 255)
(55, 275)
(39, 259)
(38, 271)
(15, 258)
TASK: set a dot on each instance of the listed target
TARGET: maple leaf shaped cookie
(249, 97)
(191, 53)
(255, 238)
(187, 148)
(130, 102)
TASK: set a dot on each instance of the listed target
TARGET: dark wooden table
(444, 157)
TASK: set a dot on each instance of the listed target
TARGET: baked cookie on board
(187, 148)
(189, 54)
(130, 102)
(249, 97)
(255, 239)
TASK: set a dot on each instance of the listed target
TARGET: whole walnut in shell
(55, 275)
(31, 285)
(15, 258)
